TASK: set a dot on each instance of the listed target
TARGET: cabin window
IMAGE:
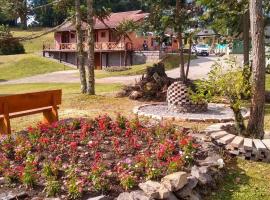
(103, 34)
(72, 35)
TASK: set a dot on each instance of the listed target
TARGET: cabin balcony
(99, 47)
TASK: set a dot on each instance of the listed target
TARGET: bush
(230, 84)
(8, 44)
(117, 69)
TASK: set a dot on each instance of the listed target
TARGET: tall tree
(91, 48)
(16, 9)
(178, 25)
(256, 121)
(80, 48)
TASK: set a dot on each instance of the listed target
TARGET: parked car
(202, 50)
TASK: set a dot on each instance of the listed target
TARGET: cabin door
(65, 37)
(98, 61)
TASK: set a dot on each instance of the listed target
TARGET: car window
(202, 46)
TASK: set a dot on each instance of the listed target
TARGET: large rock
(125, 196)
(175, 181)
(139, 195)
(101, 197)
(151, 188)
(13, 195)
(164, 193)
(186, 191)
(202, 174)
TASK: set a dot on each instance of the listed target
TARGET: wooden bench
(18, 105)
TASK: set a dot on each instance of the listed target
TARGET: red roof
(112, 21)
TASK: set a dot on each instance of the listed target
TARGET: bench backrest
(29, 101)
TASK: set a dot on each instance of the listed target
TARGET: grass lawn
(35, 45)
(245, 180)
(171, 62)
(25, 65)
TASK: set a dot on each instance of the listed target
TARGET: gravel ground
(216, 112)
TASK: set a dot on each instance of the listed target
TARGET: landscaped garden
(178, 134)
(74, 156)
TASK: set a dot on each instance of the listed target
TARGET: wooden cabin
(109, 49)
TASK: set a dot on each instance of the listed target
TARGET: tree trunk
(239, 121)
(80, 49)
(179, 34)
(91, 50)
(23, 18)
(246, 25)
(189, 58)
(256, 120)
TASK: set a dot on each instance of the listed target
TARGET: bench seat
(28, 112)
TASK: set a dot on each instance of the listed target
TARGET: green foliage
(73, 185)
(29, 178)
(8, 44)
(229, 83)
(52, 187)
(127, 181)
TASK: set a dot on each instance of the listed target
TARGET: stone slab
(237, 142)
(217, 135)
(248, 144)
(266, 143)
(226, 139)
(259, 145)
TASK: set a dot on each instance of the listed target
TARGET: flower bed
(78, 157)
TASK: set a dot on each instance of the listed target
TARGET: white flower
(220, 163)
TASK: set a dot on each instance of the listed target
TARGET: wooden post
(51, 116)
(5, 122)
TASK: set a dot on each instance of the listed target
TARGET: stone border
(136, 110)
(195, 184)
(247, 148)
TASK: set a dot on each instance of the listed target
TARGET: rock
(175, 181)
(101, 197)
(195, 196)
(2, 180)
(186, 191)
(201, 173)
(12, 195)
(151, 188)
(135, 95)
(125, 196)
(139, 195)
(172, 197)
(52, 199)
(163, 191)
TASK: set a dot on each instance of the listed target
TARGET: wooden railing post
(5, 122)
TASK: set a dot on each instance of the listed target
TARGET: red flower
(73, 146)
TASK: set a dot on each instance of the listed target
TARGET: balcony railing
(99, 46)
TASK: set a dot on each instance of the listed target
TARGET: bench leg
(50, 116)
(5, 126)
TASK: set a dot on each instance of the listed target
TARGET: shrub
(117, 68)
(8, 44)
(230, 83)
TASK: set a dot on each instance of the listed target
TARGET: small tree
(8, 44)
(230, 84)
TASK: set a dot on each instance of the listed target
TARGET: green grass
(68, 88)
(170, 62)
(27, 65)
(35, 45)
(245, 180)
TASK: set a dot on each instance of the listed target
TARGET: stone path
(247, 148)
(199, 68)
